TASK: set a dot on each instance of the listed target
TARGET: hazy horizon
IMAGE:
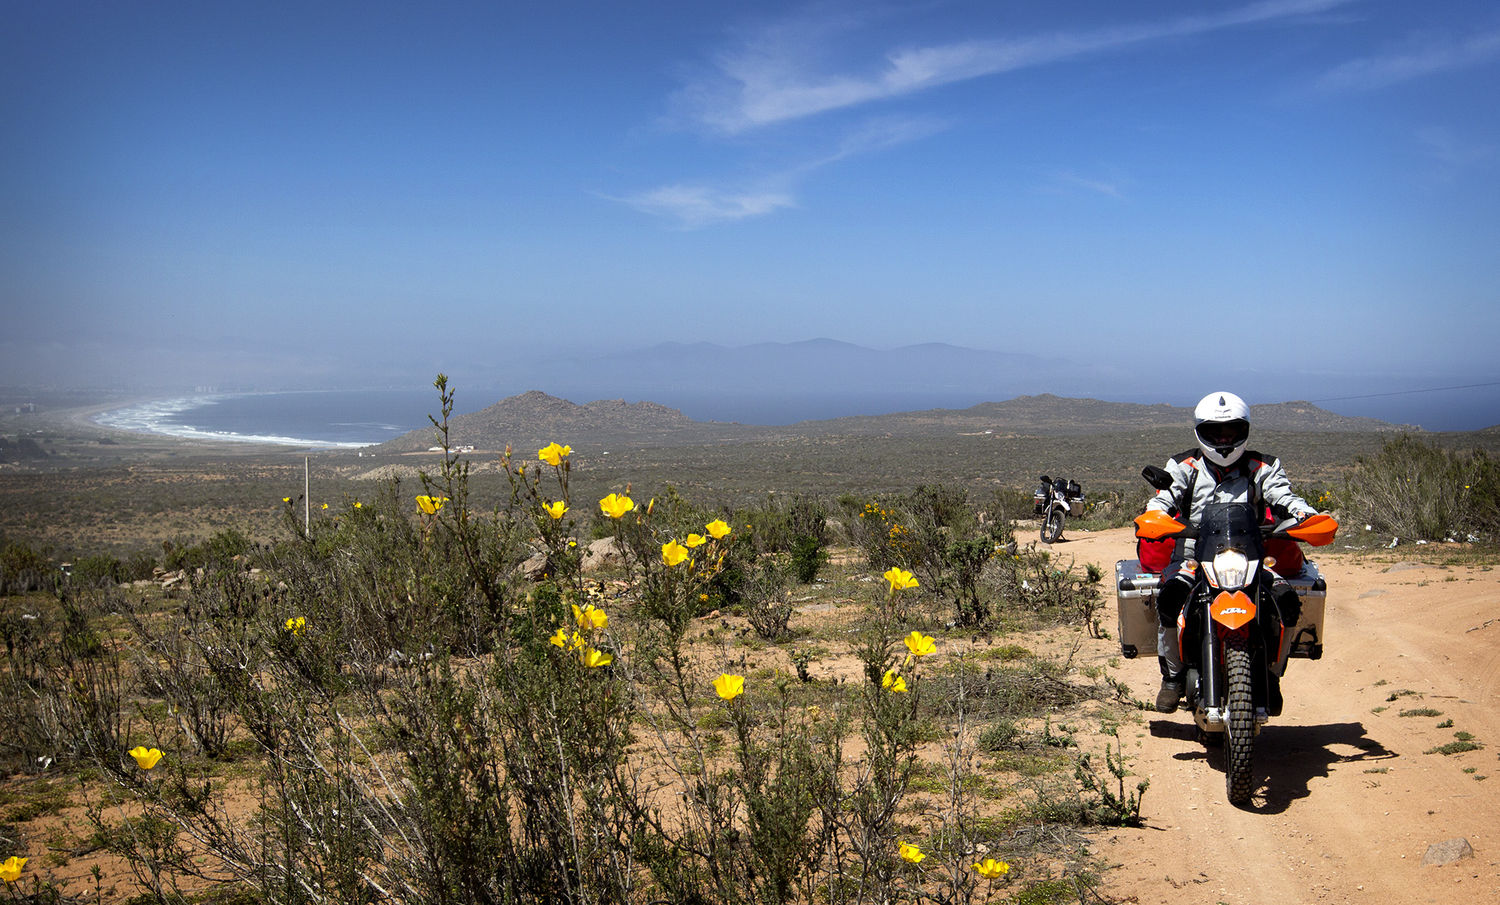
(823, 379)
(1298, 199)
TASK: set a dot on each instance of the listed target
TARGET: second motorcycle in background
(1053, 502)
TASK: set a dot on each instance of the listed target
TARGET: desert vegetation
(1413, 488)
(543, 683)
(414, 698)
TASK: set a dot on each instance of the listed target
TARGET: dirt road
(1349, 791)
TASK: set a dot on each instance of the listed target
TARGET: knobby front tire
(1052, 526)
(1239, 744)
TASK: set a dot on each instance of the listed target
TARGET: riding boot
(1273, 694)
(1170, 695)
(1168, 605)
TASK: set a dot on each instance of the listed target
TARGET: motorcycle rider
(1219, 470)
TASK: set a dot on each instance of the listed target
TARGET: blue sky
(365, 193)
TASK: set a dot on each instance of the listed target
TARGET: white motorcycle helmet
(1222, 423)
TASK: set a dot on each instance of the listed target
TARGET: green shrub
(1416, 489)
(808, 557)
(767, 604)
(1108, 802)
(25, 568)
(1000, 736)
(217, 552)
(96, 571)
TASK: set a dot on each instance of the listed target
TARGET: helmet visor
(1224, 434)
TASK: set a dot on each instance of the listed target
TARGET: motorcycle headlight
(1230, 569)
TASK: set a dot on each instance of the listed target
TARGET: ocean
(313, 419)
(355, 418)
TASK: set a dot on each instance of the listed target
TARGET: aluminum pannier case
(1135, 597)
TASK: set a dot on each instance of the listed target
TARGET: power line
(1470, 386)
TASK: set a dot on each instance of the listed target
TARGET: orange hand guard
(1317, 530)
(1156, 525)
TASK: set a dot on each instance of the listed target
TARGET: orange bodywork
(1317, 530)
(1232, 609)
(1156, 525)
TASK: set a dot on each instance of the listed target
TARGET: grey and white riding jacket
(1255, 478)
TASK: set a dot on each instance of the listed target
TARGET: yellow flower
(10, 871)
(358, 505)
(593, 659)
(590, 617)
(920, 645)
(286, 499)
(616, 505)
(899, 579)
(145, 758)
(673, 553)
(325, 505)
(556, 509)
(431, 504)
(297, 625)
(892, 682)
(991, 869)
(910, 852)
(553, 454)
(566, 641)
(717, 528)
(695, 540)
(729, 686)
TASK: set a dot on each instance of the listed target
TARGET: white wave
(157, 417)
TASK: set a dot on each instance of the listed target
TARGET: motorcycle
(1230, 632)
(1054, 501)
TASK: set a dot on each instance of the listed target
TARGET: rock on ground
(1440, 853)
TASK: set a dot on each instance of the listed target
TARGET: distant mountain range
(782, 383)
(537, 418)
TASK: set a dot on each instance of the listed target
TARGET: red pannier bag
(1155, 554)
(1288, 556)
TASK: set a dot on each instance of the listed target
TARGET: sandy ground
(1348, 797)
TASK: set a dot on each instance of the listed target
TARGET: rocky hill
(1304, 416)
(539, 418)
(1057, 416)
(23, 449)
(1044, 415)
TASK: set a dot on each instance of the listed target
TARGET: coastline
(71, 437)
(154, 415)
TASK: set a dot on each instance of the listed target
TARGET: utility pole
(306, 498)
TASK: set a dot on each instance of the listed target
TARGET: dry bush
(1416, 489)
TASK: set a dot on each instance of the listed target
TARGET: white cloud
(776, 75)
(1451, 152)
(1370, 73)
(769, 79)
(875, 135)
(1069, 179)
(699, 205)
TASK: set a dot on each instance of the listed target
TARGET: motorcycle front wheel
(1239, 748)
(1052, 525)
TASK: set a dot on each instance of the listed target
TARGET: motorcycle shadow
(1287, 758)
